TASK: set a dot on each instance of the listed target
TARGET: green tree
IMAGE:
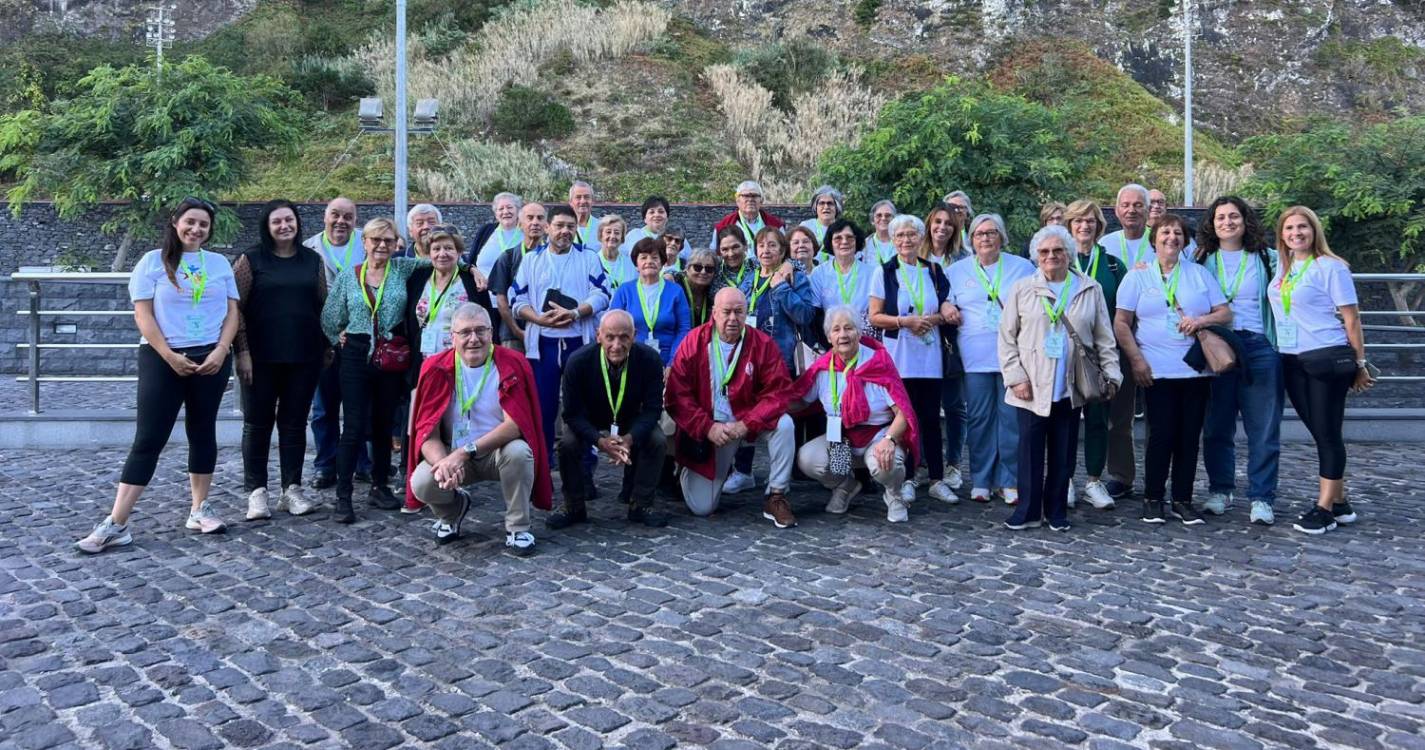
(133, 135)
(1010, 154)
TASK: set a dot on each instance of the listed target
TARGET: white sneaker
(941, 491)
(519, 543)
(738, 482)
(1010, 495)
(841, 496)
(1217, 503)
(1073, 498)
(1097, 495)
(908, 492)
(980, 494)
(257, 505)
(953, 477)
(107, 534)
(294, 501)
(1262, 513)
(205, 520)
(895, 509)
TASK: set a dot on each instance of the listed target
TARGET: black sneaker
(647, 516)
(1014, 525)
(323, 482)
(566, 517)
(342, 512)
(1183, 511)
(1116, 489)
(1153, 511)
(1318, 520)
(381, 498)
(447, 531)
(1343, 513)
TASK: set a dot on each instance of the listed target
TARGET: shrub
(788, 68)
(528, 115)
(328, 82)
(477, 170)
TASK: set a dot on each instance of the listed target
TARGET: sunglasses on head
(195, 202)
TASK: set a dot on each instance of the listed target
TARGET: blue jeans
(952, 400)
(992, 432)
(1260, 404)
(326, 423)
(548, 372)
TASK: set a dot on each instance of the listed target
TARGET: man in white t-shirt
(581, 199)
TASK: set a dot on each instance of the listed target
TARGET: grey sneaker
(941, 491)
(257, 505)
(1217, 503)
(204, 520)
(895, 509)
(519, 543)
(908, 492)
(840, 501)
(1262, 513)
(294, 501)
(107, 534)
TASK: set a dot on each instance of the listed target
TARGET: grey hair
(750, 186)
(706, 254)
(1133, 186)
(836, 312)
(613, 219)
(423, 208)
(831, 192)
(906, 220)
(515, 199)
(616, 313)
(879, 203)
(1051, 230)
(997, 221)
(580, 184)
(969, 207)
(470, 311)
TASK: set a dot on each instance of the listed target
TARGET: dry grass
(1212, 180)
(476, 170)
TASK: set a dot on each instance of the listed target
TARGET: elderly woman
(618, 268)
(845, 279)
(910, 302)
(363, 316)
(1052, 320)
(659, 308)
(655, 211)
(696, 279)
(498, 236)
(869, 417)
(805, 251)
(980, 284)
(826, 203)
(779, 298)
(879, 248)
(1160, 309)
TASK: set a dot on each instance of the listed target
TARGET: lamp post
(159, 29)
(1187, 103)
(400, 191)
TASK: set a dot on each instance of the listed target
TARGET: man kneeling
(613, 398)
(477, 418)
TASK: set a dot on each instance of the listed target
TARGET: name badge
(751, 321)
(833, 429)
(462, 433)
(613, 430)
(1286, 333)
(652, 341)
(1054, 343)
(1171, 324)
(430, 339)
(193, 326)
(992, 315)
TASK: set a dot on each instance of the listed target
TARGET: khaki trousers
(512, 464)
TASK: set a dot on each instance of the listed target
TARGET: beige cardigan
(1021, 339)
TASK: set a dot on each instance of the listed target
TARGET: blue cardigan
(674, 319)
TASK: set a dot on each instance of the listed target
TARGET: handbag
(391, 353)
(1329, 362)
(838, 459)
(1090, 380)
(1219, 354)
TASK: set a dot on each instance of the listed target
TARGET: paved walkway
(844, 632)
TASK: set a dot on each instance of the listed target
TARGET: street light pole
(400, 187)
(1187, 103)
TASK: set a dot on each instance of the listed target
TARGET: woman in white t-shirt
(185, 305)
(1323, 357)
(1160, 309)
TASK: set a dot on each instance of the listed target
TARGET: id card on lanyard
(833, 420)
(614, 404)
(649, 302)
(993, 308)
(1054, 337)
(463, 436)
(433, 333)
(1169, 287)
(1286, 327)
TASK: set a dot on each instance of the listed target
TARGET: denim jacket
(782, 311)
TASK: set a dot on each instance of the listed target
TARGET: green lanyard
(380, 291)
(346, 255)
(1169, 284)
(609, 270)
(199, 277)
(836, 391)
(1222, 276)
(1057, 311)
(757, 292)
(916, 290)
(991, 290)
(1289, 285)
(1092, 271)
(878, 250)
(608, 388)
(841, 285)
(434, 310)
(820, 232)
(740, 273)
(584, 238)
(723, 370)
(695, 308)
(747, 230)
(504, 239)
(467, 403)
(1137, 248)
(650, 312)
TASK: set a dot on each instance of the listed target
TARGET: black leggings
(369, 400)
(1176, 409)
(280, 392)
(161, 392)
(925, 399)
(1320, 403)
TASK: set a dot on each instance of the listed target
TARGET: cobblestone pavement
(846, 632)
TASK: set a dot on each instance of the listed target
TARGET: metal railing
(36, 279)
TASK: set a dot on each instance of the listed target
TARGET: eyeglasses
(482, 332)
(826, 204)
(700, 268)
(956, 208)
(750, 196)
(380, 241)
(985, 233)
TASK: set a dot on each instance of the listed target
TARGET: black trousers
(1176, 409)
(1320, 403)
(640, 479)
(280, 393)
(161, 392)
(925, 399)
(369, 400)
(1044, 491)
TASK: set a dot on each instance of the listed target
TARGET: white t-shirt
(878, 399)
(749, 232)
(915, 356)
(878, 252)
(485, 414)
(814, 224)
(1142, 294)
(184, 322)
(500, 240)
(618, 271)
(642, 232)
(1246, 303)
(1325, 286)
(979, 328)
(1140, 248)
(588, 236)
(340, 258)
(827, 281)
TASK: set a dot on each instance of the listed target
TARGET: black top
(415, 289)
(283, 309)
(586, 403)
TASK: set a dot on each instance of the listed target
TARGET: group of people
(858, 358)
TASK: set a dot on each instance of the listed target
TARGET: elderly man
(581, 199)
(477, 418)
(959, 202)
(422, 218)
(749, 215)
(1130, 244)
(532, 219)
(556, 294)
(339, 244)
(613, 398)
(1157, 209)
(728, 387)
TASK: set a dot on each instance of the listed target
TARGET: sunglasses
(700, 268)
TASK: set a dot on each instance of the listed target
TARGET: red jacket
(732, 218)
(759, 391)
(880, 370)
(518, 398)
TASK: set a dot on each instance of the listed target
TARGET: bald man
(613, 397)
